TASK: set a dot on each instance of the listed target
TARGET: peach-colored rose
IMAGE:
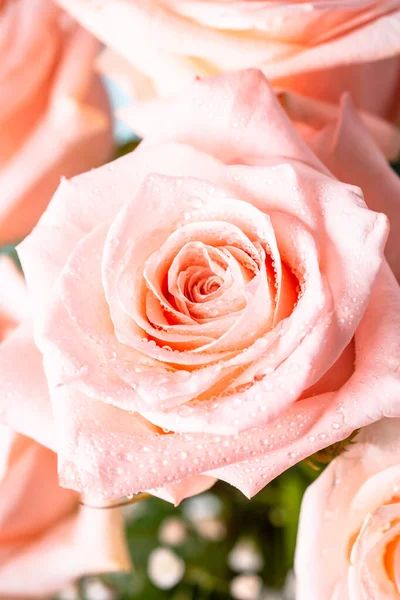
(348, 545)
(54, 117)
(46, 538)
(316, 47)
(213, 303)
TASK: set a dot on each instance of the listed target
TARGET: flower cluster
(221, 302)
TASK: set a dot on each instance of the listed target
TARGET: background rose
(349, 536)
(317, 48)
(198, 308)
(350, 144)
(54, 116)
(312, 117)
(46, 538)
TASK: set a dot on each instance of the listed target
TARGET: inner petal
(194, 264)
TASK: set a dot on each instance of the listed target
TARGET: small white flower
(205, 506)
(210, 529)
(245, 557)
(97, 590)
(70, 592)
(165, 569)
(246, 587)
(289, 591)
(172, 532)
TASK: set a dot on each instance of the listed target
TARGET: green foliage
(128, 147)
(396, 166)
(12, 253)
(269, 521)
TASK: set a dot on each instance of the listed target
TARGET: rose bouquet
(218, 307)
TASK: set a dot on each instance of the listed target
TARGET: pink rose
(348, 544)
(214, 303)
(54, 117)
(317, 48)
(46, 538)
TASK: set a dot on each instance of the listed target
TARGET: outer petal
(232, 118)
(317, 48)
(372, 392)
(375, 40)
(24, 404)
(46, 541)
(350, 153)
(311, 116)
(191, 486)
(72, 135)
(83, 203)
(85, 543)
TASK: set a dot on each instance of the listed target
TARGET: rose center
(201, 284)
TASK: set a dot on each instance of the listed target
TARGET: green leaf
(12, 253)
(128, 147)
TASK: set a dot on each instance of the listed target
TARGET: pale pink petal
(350, 153)
(25, 404)
(232, 118)
(145, 31)
(310, 116)
(78, 206)
(185, 489)
(374, 41)
(46, 540)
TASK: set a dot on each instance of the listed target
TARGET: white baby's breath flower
(246, 587)
(172, 532)
(165, 569)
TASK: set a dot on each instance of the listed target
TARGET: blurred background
(214, 546)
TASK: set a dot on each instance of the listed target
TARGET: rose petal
(25, 404)
(350, 153)
(311, 116)
(257, 129)
(60, 144)
(45, 522)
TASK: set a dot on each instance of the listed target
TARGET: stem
(119, 503)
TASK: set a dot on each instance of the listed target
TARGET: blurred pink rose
(214, 303)
(46, 538)
(317, 48)
(348, 544)
(54, 117)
